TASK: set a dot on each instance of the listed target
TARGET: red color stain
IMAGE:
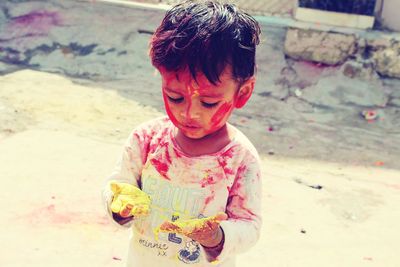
(51, 215)
(223, 161)
(191, 88)
(394, 186)
(229, 153)
(210, 198)
(38, 22)
(209, 180)
(161, 167)
(221, 113)
(241, 170)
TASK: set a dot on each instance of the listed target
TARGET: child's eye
(175, 100)
(209, 105)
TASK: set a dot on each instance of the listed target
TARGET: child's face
(199, 108)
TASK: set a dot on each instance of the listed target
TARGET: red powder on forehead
(190, 85)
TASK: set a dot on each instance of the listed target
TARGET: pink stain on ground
(52, 215)
(35, 23)
(310, 73)
(393, 186)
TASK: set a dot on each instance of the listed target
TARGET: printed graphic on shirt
(191, 253)
(172, 236)
(160, 248)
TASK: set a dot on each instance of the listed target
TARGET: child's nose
(191, 111)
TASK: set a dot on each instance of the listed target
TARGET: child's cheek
(220, 114)
(168, 110)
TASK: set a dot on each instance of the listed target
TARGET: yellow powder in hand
(128, 195)
(191, 225)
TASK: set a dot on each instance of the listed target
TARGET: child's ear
(244, 93)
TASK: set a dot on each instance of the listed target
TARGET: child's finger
(116, 205)
(115, 188)
(126, 211)
(140, 210)
(221, 216)
(170, 227)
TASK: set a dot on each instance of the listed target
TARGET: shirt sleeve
(242, 229)
(129, 167)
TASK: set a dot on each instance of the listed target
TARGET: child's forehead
(185, 78)
(176, 79)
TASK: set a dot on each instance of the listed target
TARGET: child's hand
(128, 200)
(205, 230)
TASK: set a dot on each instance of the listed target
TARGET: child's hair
(205, 37)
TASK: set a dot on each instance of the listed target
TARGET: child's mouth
(191, 126)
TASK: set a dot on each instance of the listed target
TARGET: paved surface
(282, 8)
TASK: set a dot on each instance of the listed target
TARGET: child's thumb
(221, 216)
(115, 188)
(116, 205)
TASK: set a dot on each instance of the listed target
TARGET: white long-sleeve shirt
(189, 187)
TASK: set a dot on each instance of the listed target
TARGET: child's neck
(209, 144)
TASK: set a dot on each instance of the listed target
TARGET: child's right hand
(128, 200)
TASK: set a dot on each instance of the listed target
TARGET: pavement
(75, 79)
(282, 8)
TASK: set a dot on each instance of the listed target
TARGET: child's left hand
(206, 231)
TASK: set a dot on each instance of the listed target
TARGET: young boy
(189, 185)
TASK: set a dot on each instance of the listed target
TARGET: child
(188, 185)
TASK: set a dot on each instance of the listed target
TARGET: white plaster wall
(390, 14)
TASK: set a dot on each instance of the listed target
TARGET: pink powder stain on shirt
(223, 160)
(241, 170)
(239, 200)
(242, 212)
(162, 159)
(210, 198)
(224, 164)
(143, 139)
(178, 154)
(208, 180)
(161, 167)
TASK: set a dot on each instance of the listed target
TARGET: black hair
(206, 36)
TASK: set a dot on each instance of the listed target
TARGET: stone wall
(336, 48)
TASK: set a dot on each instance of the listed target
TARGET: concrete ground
(75, 79)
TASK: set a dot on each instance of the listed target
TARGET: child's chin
(193, 135)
